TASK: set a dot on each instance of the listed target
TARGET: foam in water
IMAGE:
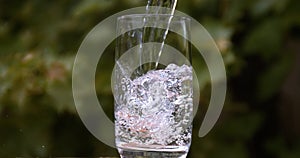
(157, 109)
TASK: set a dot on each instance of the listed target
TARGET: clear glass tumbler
(153, 87)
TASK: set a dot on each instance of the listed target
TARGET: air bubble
(157, 107)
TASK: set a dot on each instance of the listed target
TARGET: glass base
(136, 153)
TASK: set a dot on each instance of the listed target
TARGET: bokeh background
(259, 40)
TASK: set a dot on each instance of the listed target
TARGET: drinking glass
(152, 84)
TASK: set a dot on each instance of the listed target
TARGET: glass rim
(133, 16)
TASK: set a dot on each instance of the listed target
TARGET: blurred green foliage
(259, 40)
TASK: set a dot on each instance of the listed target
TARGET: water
(155, 114)
(160, 3)
(155, 117)
(155, 7)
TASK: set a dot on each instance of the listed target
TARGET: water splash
(157, 109)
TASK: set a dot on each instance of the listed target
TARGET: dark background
(259, 40)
